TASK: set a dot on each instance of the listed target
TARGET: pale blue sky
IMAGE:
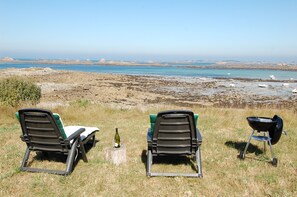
(149, 30)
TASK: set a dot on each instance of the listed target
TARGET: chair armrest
(149, 135)
(199, 136)
(75, 134)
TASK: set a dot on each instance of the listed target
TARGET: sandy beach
(126, 91)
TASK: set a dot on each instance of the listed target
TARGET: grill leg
(269, 142)
(247, 144)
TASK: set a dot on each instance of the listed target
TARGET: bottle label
(116, 145)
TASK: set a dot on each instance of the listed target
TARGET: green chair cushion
(58, 120)
(17, 116)
(60, 125)
(153, 118)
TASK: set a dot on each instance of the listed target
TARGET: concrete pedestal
(116, 155)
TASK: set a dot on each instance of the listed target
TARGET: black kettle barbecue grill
(273, 127)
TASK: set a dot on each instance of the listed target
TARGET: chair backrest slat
(174, 133)
(41, 131)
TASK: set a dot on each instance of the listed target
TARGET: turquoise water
(173, 70)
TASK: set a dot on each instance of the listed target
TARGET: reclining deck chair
(44, 131)
(174, 133)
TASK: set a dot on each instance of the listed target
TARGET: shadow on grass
(241, 145)
(251, 149)
(58, 157)
(170, 160)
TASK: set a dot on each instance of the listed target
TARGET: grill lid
(261, 123)
(273, 125)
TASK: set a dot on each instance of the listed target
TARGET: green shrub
(15, 90)
(81, 103)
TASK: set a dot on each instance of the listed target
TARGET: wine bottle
(117, 139)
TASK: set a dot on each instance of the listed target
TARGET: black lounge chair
(44, 131)
(174, 133)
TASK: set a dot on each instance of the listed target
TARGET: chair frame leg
(198, 162)
(149, 163)
(82, 150)
(91, 140)
(70, 158)
(94, 142)
(69, 161)
(25, 159)
(265, 142)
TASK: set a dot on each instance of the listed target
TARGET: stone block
(116, 156)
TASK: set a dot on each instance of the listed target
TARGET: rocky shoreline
(213, 65)
(126, 91)
(284, 67)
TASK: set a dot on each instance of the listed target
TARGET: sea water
(171, 70)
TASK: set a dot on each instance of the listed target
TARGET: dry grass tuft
(224, 131)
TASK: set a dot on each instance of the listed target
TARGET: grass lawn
(224, 131)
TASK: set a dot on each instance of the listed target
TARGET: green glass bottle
(117, 139)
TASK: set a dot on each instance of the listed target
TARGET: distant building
(7, 59)
(102, 60)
